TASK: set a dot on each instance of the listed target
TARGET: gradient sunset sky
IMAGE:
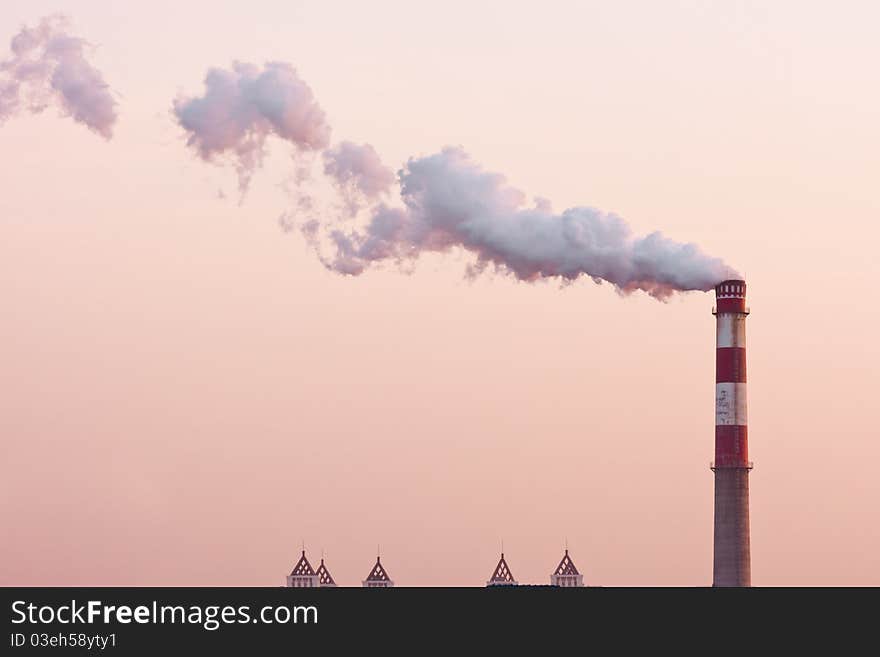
(186, 394)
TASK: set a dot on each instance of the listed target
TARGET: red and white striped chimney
(732, 561)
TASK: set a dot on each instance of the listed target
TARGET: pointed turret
(502, 575)
(324, 576)
(378, 577)
(566, 573)
(302, 575)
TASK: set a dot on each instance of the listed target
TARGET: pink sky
(186, 394)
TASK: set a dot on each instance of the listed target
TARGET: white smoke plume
(49, 66)
(242, 106)
(450, 201)
(358, 173)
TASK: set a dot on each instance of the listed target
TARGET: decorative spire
(378, 573)
(566, 573)
(566, 566)
(502, 575)
(302, 568)
(324, 576)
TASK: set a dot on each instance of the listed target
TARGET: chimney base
(732, 565)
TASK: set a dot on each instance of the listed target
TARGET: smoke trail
(241, 107)
(450, 201)
(48, 66)
(358, 173)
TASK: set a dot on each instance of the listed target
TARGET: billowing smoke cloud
(241, 107)
(358, 173)
(450, 201)
(48, 66)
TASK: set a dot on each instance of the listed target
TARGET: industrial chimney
(732, 564)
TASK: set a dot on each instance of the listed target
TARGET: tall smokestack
(732, 565)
